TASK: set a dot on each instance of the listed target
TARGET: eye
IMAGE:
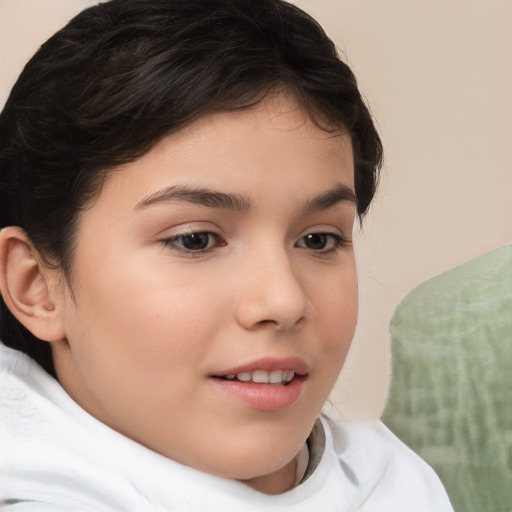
(195, 243)
(321, 242)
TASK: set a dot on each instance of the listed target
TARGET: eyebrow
(239, 203)
(341, 193)
(201, 196)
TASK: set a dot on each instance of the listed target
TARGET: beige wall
(438, 76)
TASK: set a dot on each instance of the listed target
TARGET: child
(179, 182)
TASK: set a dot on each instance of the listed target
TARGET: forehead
(273, 145)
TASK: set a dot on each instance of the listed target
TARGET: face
(220, 260)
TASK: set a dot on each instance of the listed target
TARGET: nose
(272, 293)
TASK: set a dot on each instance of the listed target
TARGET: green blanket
(451, 392)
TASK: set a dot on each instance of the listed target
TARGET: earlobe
(26, 285)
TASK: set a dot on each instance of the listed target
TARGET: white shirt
(55, 457)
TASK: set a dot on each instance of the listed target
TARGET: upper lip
(270, 364)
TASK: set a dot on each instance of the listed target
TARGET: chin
(254, 460)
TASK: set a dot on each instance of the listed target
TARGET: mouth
(276, 377)
(266, 384)
(267, 370)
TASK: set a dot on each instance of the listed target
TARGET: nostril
(268, 322)
(281, 325)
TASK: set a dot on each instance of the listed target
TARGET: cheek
(338, 329)
(337, 306)
(336, 323)
(333, 329)
(154, 319)
(143, 338)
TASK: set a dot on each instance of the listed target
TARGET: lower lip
(263, 397)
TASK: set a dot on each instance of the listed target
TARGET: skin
(152, 320)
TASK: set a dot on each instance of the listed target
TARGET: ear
(28, 286)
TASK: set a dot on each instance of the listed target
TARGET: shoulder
(389, 474)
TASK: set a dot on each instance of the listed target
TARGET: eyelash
(338, 242)
(176, 242)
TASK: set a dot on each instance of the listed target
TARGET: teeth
(260, 376)
(264, 377)
(276, 377)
